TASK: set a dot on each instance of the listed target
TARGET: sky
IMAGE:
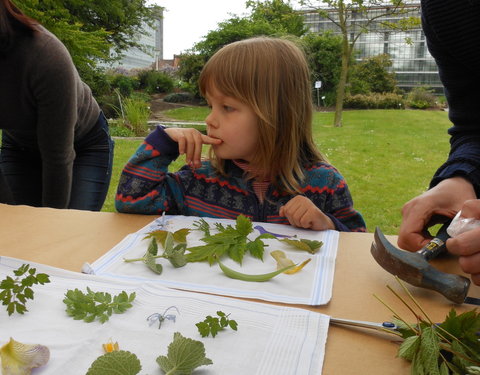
(185, 22)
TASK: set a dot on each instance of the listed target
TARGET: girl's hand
(190, 143)
(302, 213)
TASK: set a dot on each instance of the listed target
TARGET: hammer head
(414, 269)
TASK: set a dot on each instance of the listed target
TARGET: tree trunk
(337, 122)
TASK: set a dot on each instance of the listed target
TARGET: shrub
(180, 97)
(125, 84)
(374, 101)
(109, 104)
(155, 82)
(421, 98)
(120, 130)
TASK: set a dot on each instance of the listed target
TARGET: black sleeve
(452, 29)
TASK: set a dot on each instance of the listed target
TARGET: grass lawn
(386, 156)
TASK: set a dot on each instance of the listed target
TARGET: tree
(372, 75)
(271, 17)
(90, 28)
(323, 52)
(353, 19)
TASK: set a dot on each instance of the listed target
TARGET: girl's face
(234, 123)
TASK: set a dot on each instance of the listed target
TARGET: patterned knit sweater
(452, 28)
(146, 187)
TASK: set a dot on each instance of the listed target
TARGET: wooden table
(68, 238)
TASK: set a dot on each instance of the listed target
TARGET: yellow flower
(110, 346)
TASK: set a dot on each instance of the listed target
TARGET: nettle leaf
(115, 363)
(184, 355)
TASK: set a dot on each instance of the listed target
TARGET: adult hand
(190, 143)
(301, 212)
(445, 199)
(467, 245)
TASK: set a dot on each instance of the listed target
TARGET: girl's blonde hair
(271, 76)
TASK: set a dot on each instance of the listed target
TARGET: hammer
(414, 268)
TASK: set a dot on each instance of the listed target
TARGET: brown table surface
(68, 238)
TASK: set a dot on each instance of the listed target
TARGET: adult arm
(453, 36)
(54, 84)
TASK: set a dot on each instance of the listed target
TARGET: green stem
(413, 299)
(143, 258)
(395, 313)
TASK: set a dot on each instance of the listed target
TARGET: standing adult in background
(56, 150)
(452, 29)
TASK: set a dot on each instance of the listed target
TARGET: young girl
(263, 162)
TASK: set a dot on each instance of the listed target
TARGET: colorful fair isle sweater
(146, 187)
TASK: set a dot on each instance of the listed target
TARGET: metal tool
(413, 267)
(385, 326)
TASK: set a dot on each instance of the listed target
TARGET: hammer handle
(437, 245)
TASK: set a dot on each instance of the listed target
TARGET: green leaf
(150, 261)
(429, 351)
(409, 347)
(152, 247)
(310, 246)
(244, 225)
(184, 356)
(180, 235)
(115, 363)
(16, 292)
(256, 248)
(91, 306)
(159, 235)
(213, 325)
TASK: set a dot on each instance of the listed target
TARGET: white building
(151, 41)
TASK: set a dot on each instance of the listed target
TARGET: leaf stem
(142, 259)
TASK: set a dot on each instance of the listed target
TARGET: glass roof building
(412, 63)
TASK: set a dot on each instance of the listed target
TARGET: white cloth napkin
(311, 286)
(270, 339)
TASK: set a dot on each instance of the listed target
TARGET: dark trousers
(92, 170)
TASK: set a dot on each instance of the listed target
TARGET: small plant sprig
(175, 254)
(96, 305)
(16, 291)
(451, 347)
(213, 325)
(230, 240)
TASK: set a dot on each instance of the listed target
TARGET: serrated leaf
(184, 356)
(237, 251)
(243, 225)
(115, 363)
(409, 347)
(429, 351)
(256, 248)
(151, 263)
